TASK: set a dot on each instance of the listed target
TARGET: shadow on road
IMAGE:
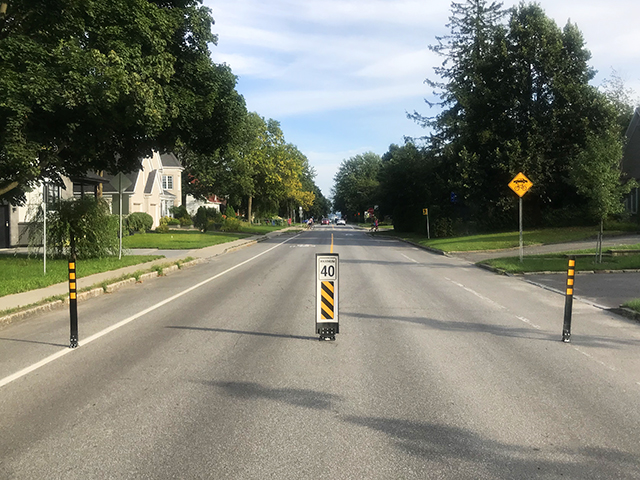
(293, 396)
(582, 339)
(462, 452)
(242, 332)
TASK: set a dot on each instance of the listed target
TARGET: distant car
(341, 221)
(325, 221)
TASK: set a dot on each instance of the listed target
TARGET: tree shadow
(582, 339)
(472, 453)
(243, 332)
(293, 396)
(458, 326)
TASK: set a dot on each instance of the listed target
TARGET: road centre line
(61, 353)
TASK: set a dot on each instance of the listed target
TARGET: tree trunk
(249, 210)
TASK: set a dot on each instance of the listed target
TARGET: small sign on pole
(425, 211)
(521, 185)
(327, 299)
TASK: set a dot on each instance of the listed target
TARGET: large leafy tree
(356, 183)
(95, 85)
(516, 97)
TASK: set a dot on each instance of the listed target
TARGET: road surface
(440, 370)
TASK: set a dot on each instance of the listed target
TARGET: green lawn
(191, 239)
(21, 274)
(559, 263)
(178, 240)
(497, 241)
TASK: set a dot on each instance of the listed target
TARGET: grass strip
(102, 285)
(177, 240)
(498, 241)
(633, 305)
(558, 262)
(19, 273)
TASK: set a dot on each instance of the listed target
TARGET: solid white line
(61, 353)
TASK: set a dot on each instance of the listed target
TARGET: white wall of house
(21, 216)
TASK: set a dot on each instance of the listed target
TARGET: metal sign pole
(521, 242)
(44, 227)
(120, 214)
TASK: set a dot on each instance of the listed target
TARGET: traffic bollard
(568, 302)
(73, 304)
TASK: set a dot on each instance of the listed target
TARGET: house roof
(631, 157)
(148, 188)
(169, 160)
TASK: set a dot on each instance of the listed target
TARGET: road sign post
(521, 185)
(425, 211)
(568, 302)
(327, 301)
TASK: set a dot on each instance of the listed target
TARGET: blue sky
(340, 75)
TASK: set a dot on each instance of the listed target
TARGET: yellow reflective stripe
(72, 295)
(72, 285)
(569, 291)
(328, 286)
(569, 282)
(572, 272)
(572, 263)
(72, 275)
(72, 266)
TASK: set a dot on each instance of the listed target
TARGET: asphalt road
(441, 370)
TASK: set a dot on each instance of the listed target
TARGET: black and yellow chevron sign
(327, 292)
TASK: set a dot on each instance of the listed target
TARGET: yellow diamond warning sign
(520, 184)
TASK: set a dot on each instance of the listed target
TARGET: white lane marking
(409, 258)
(486, 299)
(613, 369)
(82, 343)
(529, 322)
(302, 245)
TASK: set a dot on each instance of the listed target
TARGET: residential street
(440, 370)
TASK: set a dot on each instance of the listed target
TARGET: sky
(341, 75)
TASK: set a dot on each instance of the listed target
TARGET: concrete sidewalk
(23, 299)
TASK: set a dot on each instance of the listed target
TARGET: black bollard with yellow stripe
(568, 303)
(73, 304)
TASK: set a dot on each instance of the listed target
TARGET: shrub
(230, 212)
(179, 211)
(164, 225)
(206, 217)
(138, 222)
(185, 221)
(231, 224)
(84, 225)
(172, 221)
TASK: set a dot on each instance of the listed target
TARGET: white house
(154, 189)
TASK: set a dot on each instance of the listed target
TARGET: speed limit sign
(327, 267)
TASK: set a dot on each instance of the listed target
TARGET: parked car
(341, 221)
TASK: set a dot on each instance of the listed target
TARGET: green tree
(97, 85)
(356, 183)
(78, 228)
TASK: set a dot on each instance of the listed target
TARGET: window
(52, 196)
(167, 182)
